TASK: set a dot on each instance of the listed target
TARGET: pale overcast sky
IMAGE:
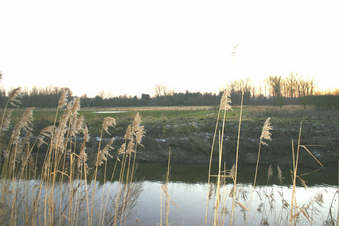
(129, 46)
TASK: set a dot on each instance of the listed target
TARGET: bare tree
(275, 82)
(295, 86)
(291, 86)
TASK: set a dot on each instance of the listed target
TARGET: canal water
(187, 196)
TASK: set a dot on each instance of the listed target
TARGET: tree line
(278, 90)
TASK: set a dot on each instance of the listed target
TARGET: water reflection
(188, 192)
(187, 205)
(265, 203)
(34, 202)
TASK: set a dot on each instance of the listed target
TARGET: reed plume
(138, 130)
(77, 125)
(264, 137)
(82, 160)
(136, 120)
(104, 153)
(130, 147)
(13, 101)
(13, 97)
(121, 149)
(7, 120)
(129, 133)
(133, 136)
(76, 105)
(45, 133)
(225, 102)
(265, 133)
(108, 122)
(60, 131)
(16, 147)
(24, 125)
(63, 98)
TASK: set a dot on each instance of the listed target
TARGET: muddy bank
(196, 148)
(191, 141)
(190, 136)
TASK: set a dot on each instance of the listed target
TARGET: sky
(130, 46)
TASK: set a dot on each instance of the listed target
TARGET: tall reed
(64, 163)
(237, 160)
(265, 135)
(225, 105)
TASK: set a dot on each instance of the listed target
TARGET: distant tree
(85, 101)
(98, 101)
(290, 86)
(145, 96)
(276, 90)
(237, 87)
(275, 82)
(145, 99)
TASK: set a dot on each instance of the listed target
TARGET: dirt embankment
(190, 141)
(190, 138)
